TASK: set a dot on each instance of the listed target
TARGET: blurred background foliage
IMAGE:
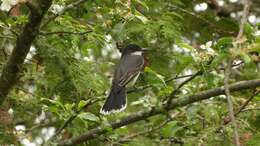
(72, 61)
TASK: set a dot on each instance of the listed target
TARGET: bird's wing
(129, 66)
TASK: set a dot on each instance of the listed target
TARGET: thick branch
(91, 134)
(13, 66)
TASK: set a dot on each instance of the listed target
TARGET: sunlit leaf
(88, 116)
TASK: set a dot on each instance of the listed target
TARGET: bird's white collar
(137, 53)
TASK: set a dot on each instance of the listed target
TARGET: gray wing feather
(127, 69)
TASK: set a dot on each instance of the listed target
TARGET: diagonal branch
(181, 85)
(200, 72)
(241, 109)
(72, 117)
(149, 130)
(227, 119)
(14, 65)
(95, 132)
(65, 32)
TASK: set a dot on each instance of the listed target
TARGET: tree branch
(149, 130)
(230, 102)
(14, 65)
(65, 32)
(243, 19)
(181, 85)
(227, 74)
(241, 108)
(250, 109)
(72, 117)
(135, 89)
(93, 133)
(172, 95)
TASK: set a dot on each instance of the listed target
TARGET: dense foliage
(67, 72)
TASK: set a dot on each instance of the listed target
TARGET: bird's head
(133, 49)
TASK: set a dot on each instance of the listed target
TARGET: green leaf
(140, 16)
(245, 57)
(54, 102)
(88, 116)
(117, 31)
(69, 107)
(170, 129)
(224, 43)
(185, 46)
(81, 104)
(166, 91)
(149, 70)
(258, 25)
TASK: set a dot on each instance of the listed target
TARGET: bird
(131, 63)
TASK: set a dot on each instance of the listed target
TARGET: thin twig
(135, 89)
(65, 32)
(152, 129)
(246, 103)
(127, 138)
(250, 109)
(181, 85)
(6, 36)
(5, 26)
(233, 65)
(40, 125)
(72, 117)
(244, 19)
(173, 94)
(230, 103)
(228, 70)
(241, 108)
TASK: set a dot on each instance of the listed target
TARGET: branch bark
(230, 102)
(65, 32)
(14, 65)
(95, 132)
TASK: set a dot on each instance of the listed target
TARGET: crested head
(131, 48)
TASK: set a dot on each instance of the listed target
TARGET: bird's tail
(116, 100)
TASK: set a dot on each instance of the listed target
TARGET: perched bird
(131, 63)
